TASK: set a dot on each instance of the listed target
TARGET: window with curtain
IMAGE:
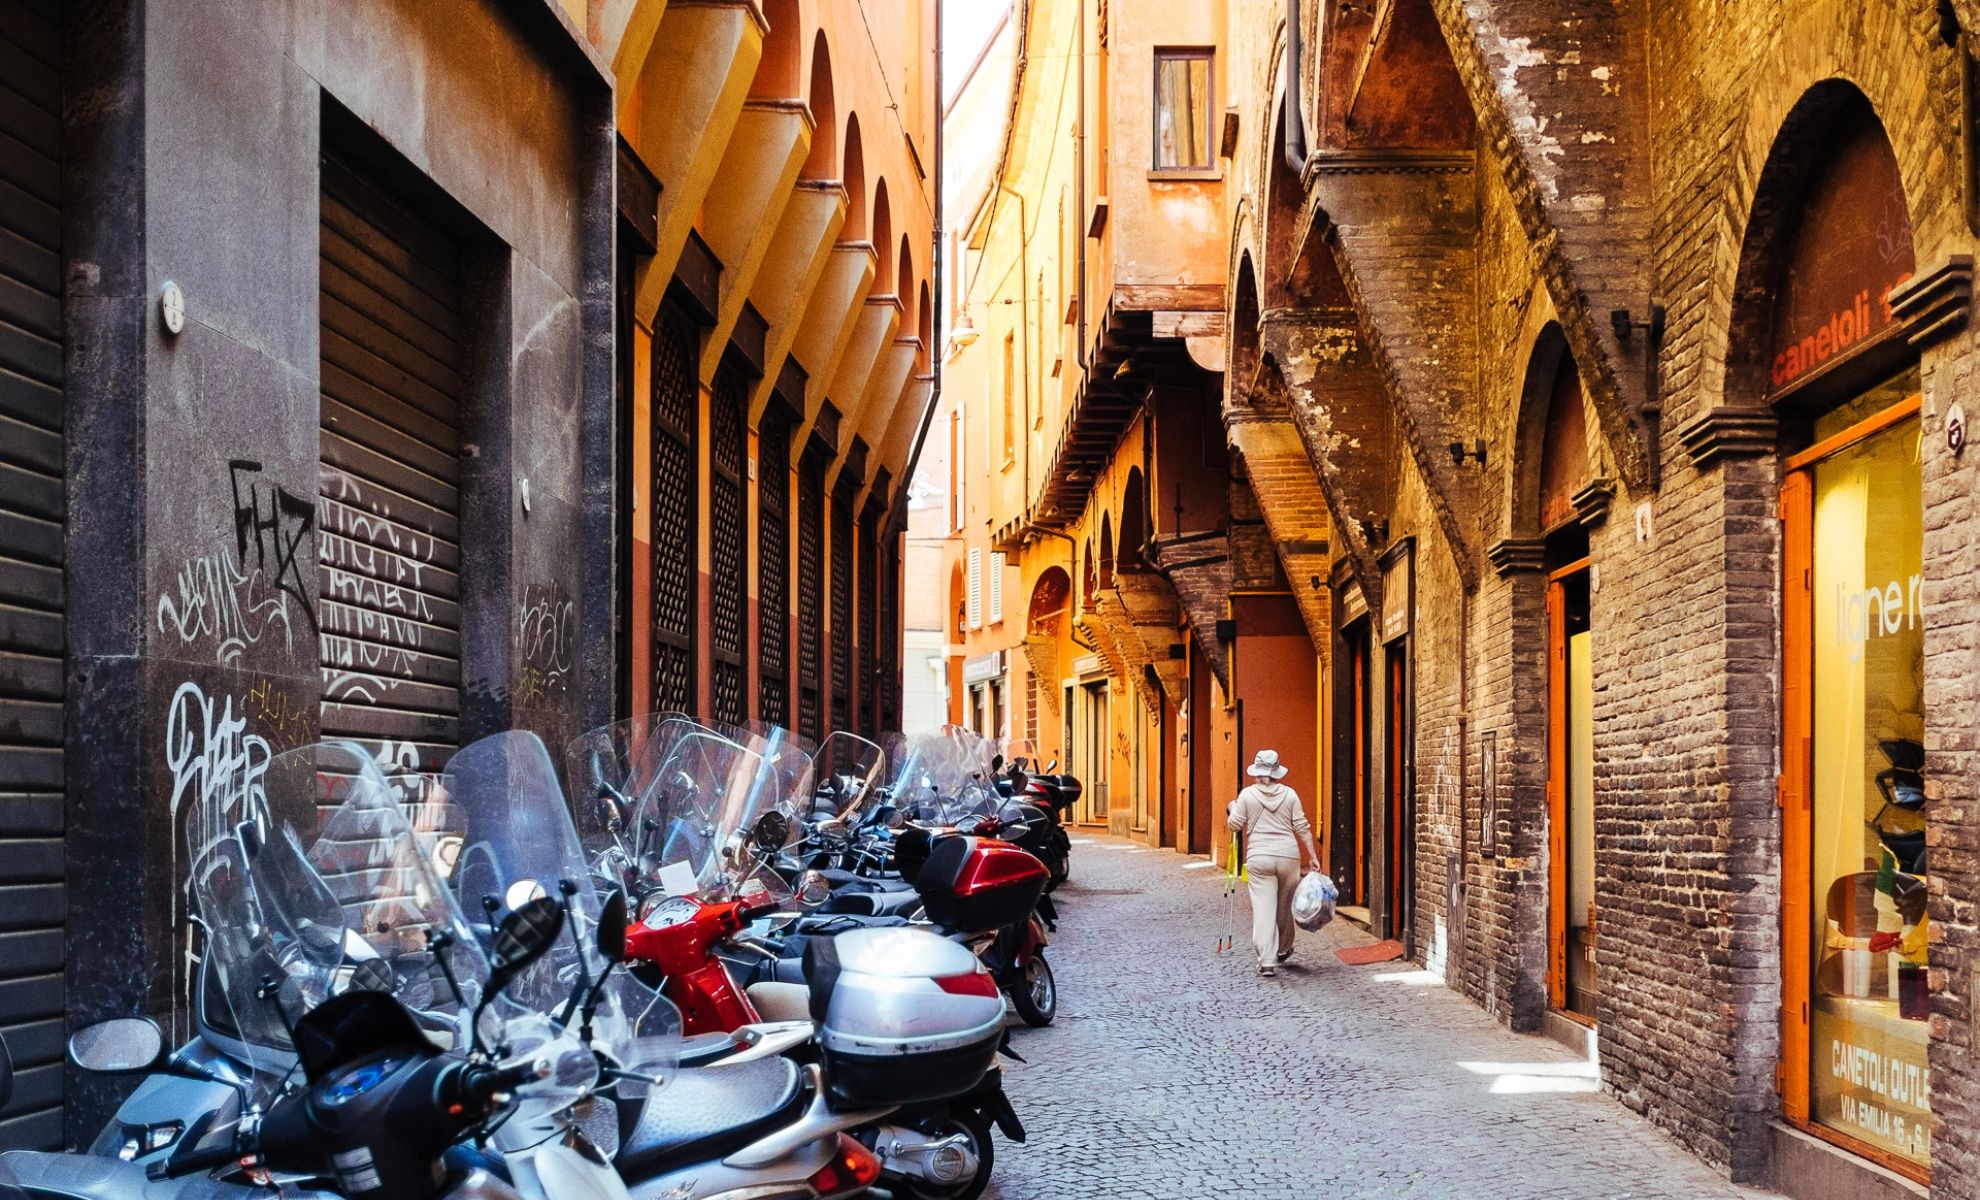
(1182, 110)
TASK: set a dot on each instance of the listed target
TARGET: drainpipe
(1295, 121)
(1079, 195)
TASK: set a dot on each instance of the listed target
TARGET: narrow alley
(1173, 1072)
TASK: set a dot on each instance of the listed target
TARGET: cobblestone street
(1172, 1072)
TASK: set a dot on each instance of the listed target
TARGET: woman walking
(1278, 848)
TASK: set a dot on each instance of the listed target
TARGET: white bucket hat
(1266, 766)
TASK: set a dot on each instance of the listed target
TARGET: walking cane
(1233, 873)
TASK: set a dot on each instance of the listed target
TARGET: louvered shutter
(811, 596)
(975, 588)
(773, 573)
(728, 548)
(388, 503)
(32, 592)
(675, 411)
(869, 620)
(996, 586)
(842, 605)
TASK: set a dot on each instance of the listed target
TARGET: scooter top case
(905, 1016)
(978, 884)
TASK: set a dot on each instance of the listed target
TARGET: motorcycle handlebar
(480, 1085)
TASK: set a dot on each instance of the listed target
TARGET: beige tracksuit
(1275, 827)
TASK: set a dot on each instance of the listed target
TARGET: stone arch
(1242, 330)
(852, 171)
(1134, 524)
(1106, 550)
(882, 237)
(781, 69)
(1552, 411)
(822, 160)
(1284, 195)
(1882, 52)
(1051, 599)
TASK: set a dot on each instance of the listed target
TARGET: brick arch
(1242, 331)
(1875, 51)
(1106, 550)
(822, 160)
(1051, 601)
(1548, 356)
(779, 72)
(1134, 524)
(1794, 163)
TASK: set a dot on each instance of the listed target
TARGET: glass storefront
(1868, 1030)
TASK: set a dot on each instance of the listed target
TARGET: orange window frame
(1795, 787)
(1557, 773)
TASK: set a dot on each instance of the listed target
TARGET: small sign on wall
(1488, 785)
(1398, 594)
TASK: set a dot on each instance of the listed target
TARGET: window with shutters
(975, 588)
(728, 546)
(811, 596)
(773, 582)
(996, 586)
(675, 412)
(869, 619)
(842, 604)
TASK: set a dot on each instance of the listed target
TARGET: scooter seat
(90, 1177)
(710, 1113)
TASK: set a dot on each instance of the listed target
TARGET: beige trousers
(1273, 881)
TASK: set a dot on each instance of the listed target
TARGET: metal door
(675, 416)
(32, 596)
(388, 501)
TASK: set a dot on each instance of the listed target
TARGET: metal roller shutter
(32, 596)
(675, 414)
(842, 605)
(811, 596)
(388, 505)
(773, 584)
(728, 550)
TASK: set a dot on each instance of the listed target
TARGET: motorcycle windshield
(699, 828)
(848, 770)
(783, 785)
(614, 770)
(299, 908)
(939, 776)
(519, 843)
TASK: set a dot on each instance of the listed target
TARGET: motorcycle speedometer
(675, 910)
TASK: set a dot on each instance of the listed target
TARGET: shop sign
(1872, 1078)
(1852, 247)
(984, 666)
(1397, 595)
(1087, 665)
(1353, 603)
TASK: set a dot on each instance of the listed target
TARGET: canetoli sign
(1852, 247)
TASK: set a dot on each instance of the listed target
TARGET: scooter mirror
(612, 927)
(523, 937)
(119, 1046)
(1052, 768)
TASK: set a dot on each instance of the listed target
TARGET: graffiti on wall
(545, 628)
(376, 610)
(236, 595)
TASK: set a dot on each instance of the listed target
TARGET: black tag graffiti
(275, 534)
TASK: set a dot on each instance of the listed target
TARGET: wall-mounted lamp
(1460, 452)
(1374, 529)
(964, 334)
(1625, 325)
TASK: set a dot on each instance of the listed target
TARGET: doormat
(1374, 952)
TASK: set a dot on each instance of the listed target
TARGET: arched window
(823, 160)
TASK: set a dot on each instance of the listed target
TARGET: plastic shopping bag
(1314, 901)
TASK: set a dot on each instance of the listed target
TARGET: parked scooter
(696, 824)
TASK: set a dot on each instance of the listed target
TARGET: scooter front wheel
(977, 1128)
(1036, 996)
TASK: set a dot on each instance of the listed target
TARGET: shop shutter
(388, 502)
(773, 578)
(675, 413)
(842, 605)
(869, 620)
(32, 594)
(728, 549)
(811, 596)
